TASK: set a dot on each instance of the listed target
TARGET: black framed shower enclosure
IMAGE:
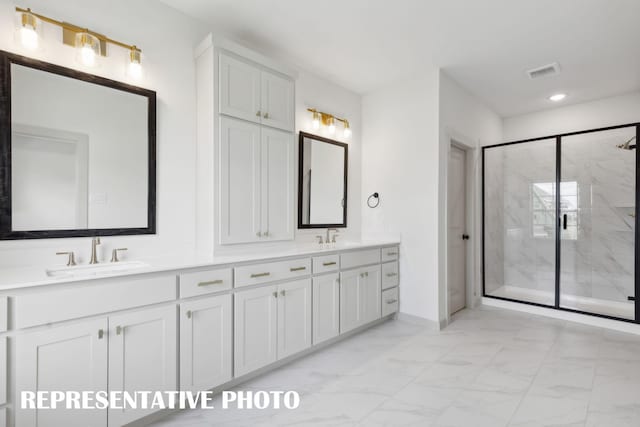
(561, 222)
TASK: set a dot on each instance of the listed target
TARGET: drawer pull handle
(392, 253)
(100, 334)
(119, 330)
(189, 314)
(391, 301)
(253, 276)
(327, 264)
(297, 268)
(391, 274)
(211, 282)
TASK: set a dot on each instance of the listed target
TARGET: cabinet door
(255, 342)
(277, 184)
(142, 356)
(350, 300)
(326, 307)
(240, 159)
(63, 358)
(205, 343)
(239, 89)
(277, 101)
(371, 291)
(294, 317)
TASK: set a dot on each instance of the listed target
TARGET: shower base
(623, 310)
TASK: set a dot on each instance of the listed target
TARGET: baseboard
(585, 319)
(421, 321)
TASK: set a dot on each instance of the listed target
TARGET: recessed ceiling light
(557, 97)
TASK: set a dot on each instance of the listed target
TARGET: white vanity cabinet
(360, 293)
(205, 343)
(326, 307)
(251, 92)
(62, 358)
(256, 183)
(142, 356)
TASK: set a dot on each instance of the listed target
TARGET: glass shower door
(597, 222)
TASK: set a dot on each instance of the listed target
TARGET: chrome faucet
(94, 242)
(328, 238)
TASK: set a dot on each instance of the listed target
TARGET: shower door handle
(564, 221)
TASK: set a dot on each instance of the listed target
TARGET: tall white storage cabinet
(253, 148)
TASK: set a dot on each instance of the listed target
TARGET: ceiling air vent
(544, 71)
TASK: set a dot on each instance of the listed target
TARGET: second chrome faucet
(94, 258)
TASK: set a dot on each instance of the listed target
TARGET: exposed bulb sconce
(27, 31)
(329, 120)
(90, 45)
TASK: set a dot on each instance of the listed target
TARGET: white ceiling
(485, 45)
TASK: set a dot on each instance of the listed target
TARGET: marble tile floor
(490, 367)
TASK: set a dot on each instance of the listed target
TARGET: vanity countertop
(19, 278)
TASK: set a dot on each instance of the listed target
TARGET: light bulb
(332, 125)
(29, 38)
(315, 123)
(347, 132)
(88, 47)
(134, 69)
(88, 56)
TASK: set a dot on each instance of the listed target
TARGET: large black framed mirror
(322, 182)
(77, 153)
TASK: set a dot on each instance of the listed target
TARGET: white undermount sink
(95, 269)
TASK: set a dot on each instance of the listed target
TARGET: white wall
(471, 124)
(166, 38)
(617, 110)
(400, 161)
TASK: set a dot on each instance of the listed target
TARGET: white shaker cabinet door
(62, 358)
(294, 317)
(371, 292)
(239, 89)
(255, 337)
(350, 300)
(142, 356)
(240, 175)
(326, 307)
(205, 343)
(277, 101)
(277, 184)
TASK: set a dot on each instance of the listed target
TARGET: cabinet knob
(119, 330)
(266, 233)
(275, 294)
(100, 334)
(188, 314)
(259, 234)
(282, 293)
(266, 115)
(259, 113)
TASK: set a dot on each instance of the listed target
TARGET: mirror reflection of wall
(79, 154)
(323, 171)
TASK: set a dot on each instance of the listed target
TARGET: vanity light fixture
(557, 97)
(329, 120)
(28, 30)
(90, 44)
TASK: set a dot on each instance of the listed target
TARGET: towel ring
(375, 202)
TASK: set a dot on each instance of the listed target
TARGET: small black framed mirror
(77, 153)
(322, 182)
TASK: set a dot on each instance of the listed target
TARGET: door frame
(558, 139)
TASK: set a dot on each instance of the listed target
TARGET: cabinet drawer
(325, 264)
(389, 301)
(389, 275)
(4, 314)
(204, 282)
(390, 254)
(3, 371)
(271, 271)
(89, 299)
(355, 259)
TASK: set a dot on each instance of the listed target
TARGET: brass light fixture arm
(326, 116)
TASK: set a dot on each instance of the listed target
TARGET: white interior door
(326, 307)
(239, 89)
(277, 101)
(142, 356)
(255, 341)
(457, 237)
(277, 184)
(240, 198)
(64, 358)
(205, 343)
(294, 317)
